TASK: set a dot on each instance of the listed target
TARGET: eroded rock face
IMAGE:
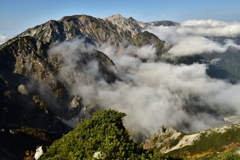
(35, 72)
(76, 101)
(162, 137)
(23, 89)
(128, 24)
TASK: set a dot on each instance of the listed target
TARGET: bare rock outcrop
(129, 24)
(162, 137)
(167, 140)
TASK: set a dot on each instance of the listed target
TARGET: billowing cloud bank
(199, 36)
(151, 93)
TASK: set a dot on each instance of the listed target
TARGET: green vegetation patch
(145, 38)
(215, 142)
(103, 133)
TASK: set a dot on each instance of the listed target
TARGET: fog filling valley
(155, 93)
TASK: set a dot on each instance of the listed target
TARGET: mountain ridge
(135, 26)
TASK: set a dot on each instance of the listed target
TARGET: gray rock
(238, 151)
(76, 101)
(22, 89)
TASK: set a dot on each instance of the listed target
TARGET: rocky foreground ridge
(208, 143)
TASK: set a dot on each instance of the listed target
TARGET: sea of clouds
(197, 36)
(154, 93)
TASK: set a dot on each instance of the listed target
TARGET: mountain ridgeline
(44, 69)
(96, 30)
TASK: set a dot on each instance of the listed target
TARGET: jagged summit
(112, 30)
(131, 19)
(115, 16)
(135, 26)
(73, 16)
(129, 24)
(70, 27)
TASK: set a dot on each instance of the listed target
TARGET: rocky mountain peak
(115, 16)
(94, 29)
(129, 24)
(70, 17)
(131, 19)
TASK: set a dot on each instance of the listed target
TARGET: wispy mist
(153, 93)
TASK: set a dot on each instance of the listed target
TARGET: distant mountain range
(34, 95)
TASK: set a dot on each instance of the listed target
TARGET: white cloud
(211, 28)
(197, 45)
(152, 93)
(205, 23)
(193, 36)
(4, 38)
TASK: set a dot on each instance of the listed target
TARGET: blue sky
(18, 15)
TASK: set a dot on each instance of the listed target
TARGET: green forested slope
(104, 132)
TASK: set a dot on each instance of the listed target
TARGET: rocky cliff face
(25, 62)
